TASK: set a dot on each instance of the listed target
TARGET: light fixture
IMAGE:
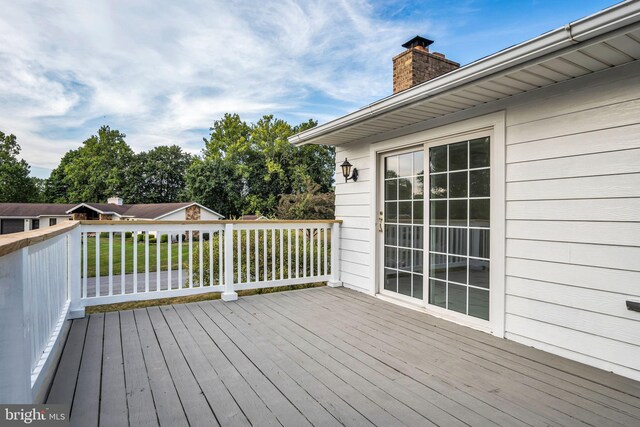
(346, 171)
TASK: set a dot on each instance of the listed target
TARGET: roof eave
(603, 22)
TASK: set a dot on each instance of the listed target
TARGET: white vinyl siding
(573, 220)
(353, 206)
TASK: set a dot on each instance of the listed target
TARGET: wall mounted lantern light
(346, 171)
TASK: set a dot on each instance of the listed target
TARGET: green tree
(159, 175)
(57, 185)
(210, 183)
(99, 169)
(15, 184)
(309, 204)
(260, 163)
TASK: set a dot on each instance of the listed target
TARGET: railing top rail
(13, 242)
(223, 221)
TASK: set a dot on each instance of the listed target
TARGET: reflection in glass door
(459, 200)
(403, 220)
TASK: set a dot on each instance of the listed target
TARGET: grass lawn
(192, 298)
(128, 258)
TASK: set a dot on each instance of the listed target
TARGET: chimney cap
(417, 41)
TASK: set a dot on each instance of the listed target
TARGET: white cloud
(157, 70)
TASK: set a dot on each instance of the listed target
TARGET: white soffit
(604, 40)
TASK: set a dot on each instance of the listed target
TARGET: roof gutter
(603, 22)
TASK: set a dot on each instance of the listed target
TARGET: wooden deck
(323, 357)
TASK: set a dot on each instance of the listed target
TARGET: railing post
(74, 278)
(229, 294)
(335, 281)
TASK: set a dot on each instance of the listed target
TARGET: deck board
(113, 402)
(194, 402)
(321, 357)
(537, 364)
(308, 409)
(165, 396)
(554, 403)
(381, 390)
(328, 389)
(142, 410)
(437, 390)
(221, 401)
(64, 383)
(272, 396)
(84, 410)
(249, 401)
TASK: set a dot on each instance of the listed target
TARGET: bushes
(273, 254)
(141, 238)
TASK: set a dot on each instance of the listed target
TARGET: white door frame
(493, 125)
(379, 242)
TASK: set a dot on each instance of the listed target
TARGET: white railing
(50, 275)
(35, 299)
(126, 261)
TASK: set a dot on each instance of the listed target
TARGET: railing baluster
(325, 250)
(247, 245)
(97, 292)
(273, 254)
(110, 263)
(288, 253)
(311, 232)
(264, 254)
(158, 269)
(281, 232)
(211, 283)
(304, 252)
(319, 271)
(85, 261)
(180, 266)
(200, 261)
(239, 256)
(135, 263)
(169, 259)
(256, 258)
(146, 261)
(123, 244)
(297, 230)
(190, 258)
(220, 258)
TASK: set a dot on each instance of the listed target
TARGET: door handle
(380, 221)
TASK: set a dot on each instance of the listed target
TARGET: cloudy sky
(162, 71)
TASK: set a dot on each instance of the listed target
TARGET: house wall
(181, 216)
(572, 216)
(353, 207)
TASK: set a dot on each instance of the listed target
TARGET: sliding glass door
(459, 227)
(401, 219)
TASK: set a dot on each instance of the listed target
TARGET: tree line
(244, 168)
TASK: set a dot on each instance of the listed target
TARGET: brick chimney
(417, 65)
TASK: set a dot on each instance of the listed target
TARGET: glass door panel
(404, 223)
(459, 212)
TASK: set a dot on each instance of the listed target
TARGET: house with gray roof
(17, 217)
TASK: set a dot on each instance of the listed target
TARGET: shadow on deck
(320, 357)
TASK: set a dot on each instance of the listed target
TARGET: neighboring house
(16, 217)
(253, 218)
(505, 195)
